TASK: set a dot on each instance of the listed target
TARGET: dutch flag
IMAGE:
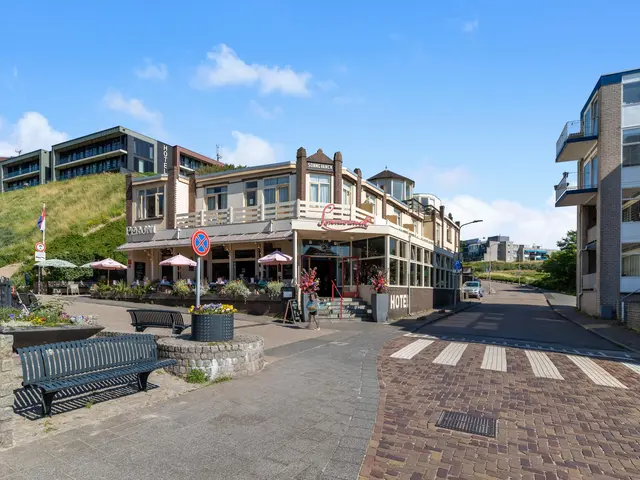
(41, 220)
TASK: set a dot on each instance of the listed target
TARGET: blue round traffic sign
(200, 243)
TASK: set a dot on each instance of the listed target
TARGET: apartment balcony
(67, 163)
(570, 192)
(22, 173)
(576, 140)
(589, 281)
(592, 235)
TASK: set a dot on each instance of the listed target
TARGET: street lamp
(455, 291)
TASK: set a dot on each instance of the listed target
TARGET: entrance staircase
(352, 309)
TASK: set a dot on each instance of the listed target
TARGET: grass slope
(74, 207)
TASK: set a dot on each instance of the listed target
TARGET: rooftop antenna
(18, 151)
(218, 154)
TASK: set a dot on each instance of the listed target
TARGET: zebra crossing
(494, 358)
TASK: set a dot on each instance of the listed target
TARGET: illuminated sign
(340, 225)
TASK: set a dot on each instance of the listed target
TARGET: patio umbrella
(108, 264)
(55, 263)
(275, 258)
(178, 261)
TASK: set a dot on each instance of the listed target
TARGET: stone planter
(305, 312)
(29, 336)
(212, 328)
(380, 307)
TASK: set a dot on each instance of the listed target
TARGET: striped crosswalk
(494, 358)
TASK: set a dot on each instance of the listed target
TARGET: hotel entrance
(333, 263)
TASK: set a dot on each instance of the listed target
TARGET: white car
(473, 289)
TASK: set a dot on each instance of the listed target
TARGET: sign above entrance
(327, 167)
(200, 243)
(141, 230)
(340, 225)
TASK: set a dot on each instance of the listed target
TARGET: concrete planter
(30, 336)
(212, 328)
(380, 307)
(305, 311)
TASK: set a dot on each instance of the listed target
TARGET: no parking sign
(200, 243)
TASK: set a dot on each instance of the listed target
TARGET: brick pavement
(547, 428)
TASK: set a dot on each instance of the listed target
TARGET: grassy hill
(95, 203)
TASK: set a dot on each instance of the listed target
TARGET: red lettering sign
(341, 225)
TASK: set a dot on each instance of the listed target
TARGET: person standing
(312, 308)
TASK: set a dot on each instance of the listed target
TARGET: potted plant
(212, 322)
(308, 284)
(379, 298)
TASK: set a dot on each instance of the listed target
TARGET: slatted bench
(58, 366)
(142, 319)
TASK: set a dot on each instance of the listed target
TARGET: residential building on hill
(604, 148)
(25, 170)
(322, 214)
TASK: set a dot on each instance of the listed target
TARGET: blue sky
(467, 98)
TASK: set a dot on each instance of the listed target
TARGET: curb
(601, 335)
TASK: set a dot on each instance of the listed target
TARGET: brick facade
(337, 178)
(301, 174)
(129, 199)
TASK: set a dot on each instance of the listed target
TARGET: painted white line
(595, 372)
(420, 335)
(542, 365)
(495, 358)
(633, 366)
(412, 349)
(451, 354)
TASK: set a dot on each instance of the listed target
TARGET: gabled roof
(389, 174)
(319, 157)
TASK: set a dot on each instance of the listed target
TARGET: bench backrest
(166, 318)
(64, 359)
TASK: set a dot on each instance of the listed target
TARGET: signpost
(457, 269)
(40, 256)
(201, 244)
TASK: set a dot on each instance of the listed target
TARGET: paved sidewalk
(610, 330)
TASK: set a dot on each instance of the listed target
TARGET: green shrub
(273, 289)
(120, 289)
(196, 375)
(181, 288)
(236, 289)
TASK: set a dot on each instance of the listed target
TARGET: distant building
(500, 248)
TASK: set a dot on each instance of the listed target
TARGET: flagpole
(44, 219)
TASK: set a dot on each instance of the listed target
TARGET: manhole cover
(463, 422)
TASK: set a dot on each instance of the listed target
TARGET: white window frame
(347, 191)
(280, 184)
(248, 190)
(143, 195)
(216, 195)
(316, 179)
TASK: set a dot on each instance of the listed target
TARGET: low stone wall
(7, 384)
(244, 355)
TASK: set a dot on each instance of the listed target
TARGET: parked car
(473, 289)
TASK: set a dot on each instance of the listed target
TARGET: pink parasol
(178, 261)
(275, 258)
(108, 264)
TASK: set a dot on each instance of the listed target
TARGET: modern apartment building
(496, 248)
(25, 170)
(319, 212)
(604, 147)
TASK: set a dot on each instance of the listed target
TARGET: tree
(561, 266)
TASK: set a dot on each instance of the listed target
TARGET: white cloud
(543, 226)
(250, 151)
(470, 26)
(152, 71)
(135, 108)
(31, 132)
(432, 177)
(263, 112)
(227, 69)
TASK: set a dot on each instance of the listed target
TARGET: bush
(181, 288)
(120, 289)
(236, 289)
(196, 375)
(273, 289)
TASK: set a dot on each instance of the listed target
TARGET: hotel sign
(398, 301)
(141, 230)
(165, 154)
(327, 167)
(340, 225)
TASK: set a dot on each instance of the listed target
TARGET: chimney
(384, 202)
(337, 178)
(301, 174)
(358, 172)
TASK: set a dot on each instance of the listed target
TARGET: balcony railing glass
(22, 171)
(575, 130)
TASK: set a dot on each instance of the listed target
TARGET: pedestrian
(312, 308)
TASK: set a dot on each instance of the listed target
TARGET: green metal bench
(58, 366)
(148, 318)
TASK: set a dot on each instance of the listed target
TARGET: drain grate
(463, 422)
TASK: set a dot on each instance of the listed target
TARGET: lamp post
(457, 279)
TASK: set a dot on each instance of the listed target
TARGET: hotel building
(316, 210)
(26, 170)
(604, 147)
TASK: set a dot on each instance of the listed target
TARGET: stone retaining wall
(7, 384)
(244, 355)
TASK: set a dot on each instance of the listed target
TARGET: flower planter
(212, 328)
(380, 307)
(29, 336)
(305, 311)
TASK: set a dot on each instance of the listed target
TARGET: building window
(371, 200)
(631, 260)
(448, 233)
(631, 147)
(216, 198)
(250, 194)
(276, 190)
(347, 188)
(320, 188)
(151, 203)
(398, 252)
(631, 93)
(630, 207)
(397, 187)
(142, 148)
(142, 166)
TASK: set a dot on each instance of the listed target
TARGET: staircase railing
(334, 287)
